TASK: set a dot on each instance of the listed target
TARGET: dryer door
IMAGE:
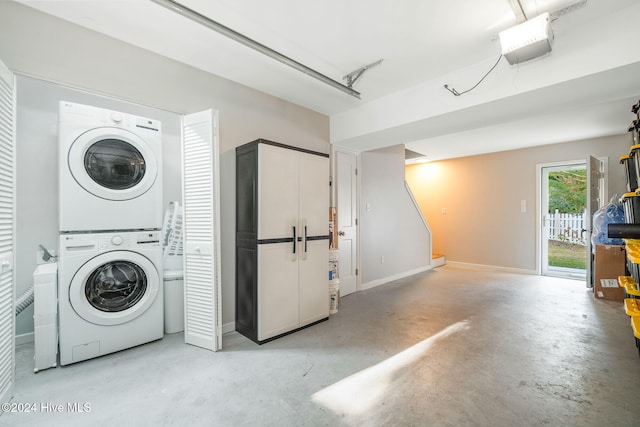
(112, 163)
(114, 288)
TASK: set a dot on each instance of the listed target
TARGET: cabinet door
(314, 282)
(314, 194)
(277, 192)
(278, 293)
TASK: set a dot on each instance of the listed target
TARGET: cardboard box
(609, 263)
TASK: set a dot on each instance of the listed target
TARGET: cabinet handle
(294, 238)
(305, 239)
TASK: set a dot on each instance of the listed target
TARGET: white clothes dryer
(110, 293)
(110, 170)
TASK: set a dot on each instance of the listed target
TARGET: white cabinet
(282, 239)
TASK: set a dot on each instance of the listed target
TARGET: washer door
(114, 288)
(112, 163)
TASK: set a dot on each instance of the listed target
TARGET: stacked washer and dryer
(110, 293)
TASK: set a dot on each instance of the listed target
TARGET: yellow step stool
(633, 248)
(630, 286)
(632, 306)
(635, 325)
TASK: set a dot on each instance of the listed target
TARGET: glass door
(564, 231)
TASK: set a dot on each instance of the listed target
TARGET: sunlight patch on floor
(363, 390)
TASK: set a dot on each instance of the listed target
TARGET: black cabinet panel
(246, 191)
(246, 292)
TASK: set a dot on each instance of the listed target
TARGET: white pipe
(24, 300)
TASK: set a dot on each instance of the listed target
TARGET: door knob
(340, 233)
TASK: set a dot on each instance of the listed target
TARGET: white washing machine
(110, 170)
(110, 293)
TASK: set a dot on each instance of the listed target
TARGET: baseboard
(378, 282)
(492, 267)
(438, 260)
(228, 327)
(24, 338)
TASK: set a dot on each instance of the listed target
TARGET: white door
(577, 262)
(7, 233)
(596, 197)
(346, 182)
(201, 222)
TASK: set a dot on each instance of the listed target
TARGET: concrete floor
(448, 347)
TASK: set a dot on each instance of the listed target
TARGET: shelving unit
(631, 203)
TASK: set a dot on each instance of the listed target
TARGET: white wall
(393, 238)
(35, 44)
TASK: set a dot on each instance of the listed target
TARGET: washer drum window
(114, 287)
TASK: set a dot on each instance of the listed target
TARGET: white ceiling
(423, 44)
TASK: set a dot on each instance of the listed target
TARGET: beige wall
(35, 44)
(483, 223)
(393, 239)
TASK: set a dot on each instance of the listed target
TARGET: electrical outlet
(40, 257)
(381, 259)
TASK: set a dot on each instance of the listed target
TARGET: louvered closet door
(201, 195)
(7, 231)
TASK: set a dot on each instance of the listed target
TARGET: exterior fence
(567, 227)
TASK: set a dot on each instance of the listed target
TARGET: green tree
(567, 191)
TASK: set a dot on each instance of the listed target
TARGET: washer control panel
(91, 242)
(130, 239)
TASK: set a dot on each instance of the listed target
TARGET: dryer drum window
(116, 286)
(114, 164)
